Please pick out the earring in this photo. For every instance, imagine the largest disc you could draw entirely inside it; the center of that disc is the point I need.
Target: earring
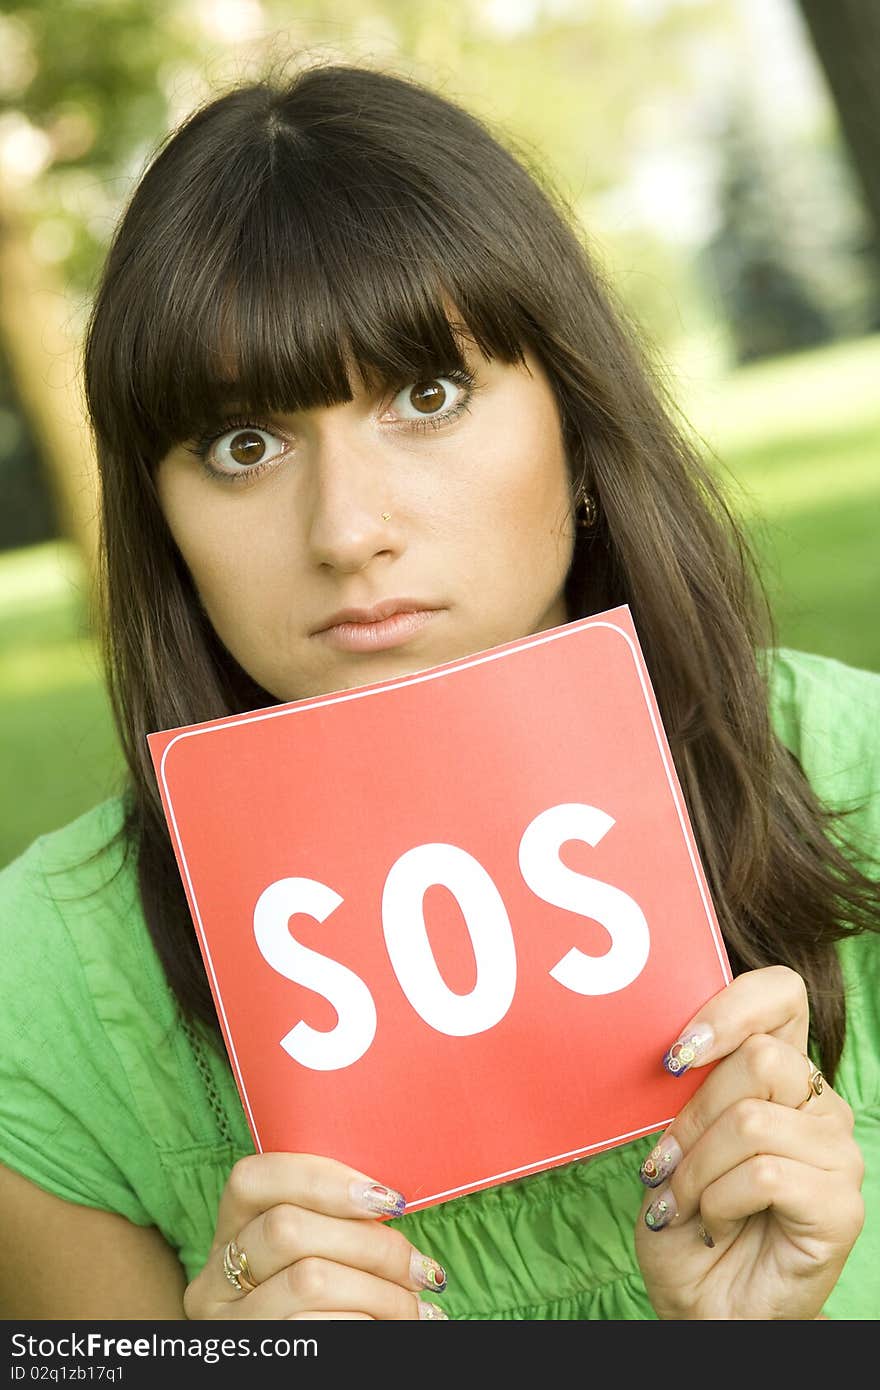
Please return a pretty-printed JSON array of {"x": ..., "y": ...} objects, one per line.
[
  {"x": 590, "y": 513},
  {"x": 386, "y": 516}
]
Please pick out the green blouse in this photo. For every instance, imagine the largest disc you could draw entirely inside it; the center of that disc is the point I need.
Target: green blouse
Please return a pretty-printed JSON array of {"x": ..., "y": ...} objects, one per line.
[{"x": 109, "y": 1100}]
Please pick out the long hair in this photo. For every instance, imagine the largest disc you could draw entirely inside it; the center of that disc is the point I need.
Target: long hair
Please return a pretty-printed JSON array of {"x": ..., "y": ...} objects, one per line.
[{"x": 289, "y": 229}]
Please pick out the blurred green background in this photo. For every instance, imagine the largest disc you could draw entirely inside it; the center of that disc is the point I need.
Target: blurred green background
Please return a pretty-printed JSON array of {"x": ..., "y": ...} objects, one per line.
[{"x": 700, "y": 146}]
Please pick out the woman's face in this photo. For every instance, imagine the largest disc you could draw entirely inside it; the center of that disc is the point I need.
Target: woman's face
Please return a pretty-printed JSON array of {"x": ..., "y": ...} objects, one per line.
[{"x": 361, "y": 542}]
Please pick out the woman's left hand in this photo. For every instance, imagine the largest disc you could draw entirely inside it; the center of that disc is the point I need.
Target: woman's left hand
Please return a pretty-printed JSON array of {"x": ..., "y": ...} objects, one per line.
[{"x": 754, "y": 1191}]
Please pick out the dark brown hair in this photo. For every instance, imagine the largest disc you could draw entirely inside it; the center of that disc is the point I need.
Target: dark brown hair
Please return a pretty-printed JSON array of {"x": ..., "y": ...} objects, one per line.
[{"x": 291, "y": 227}]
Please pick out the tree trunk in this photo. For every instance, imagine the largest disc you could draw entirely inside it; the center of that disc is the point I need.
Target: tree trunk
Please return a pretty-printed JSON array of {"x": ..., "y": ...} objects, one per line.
[
  {"x": 42, "y": 354},
  {"x": 845, "y": 35}
]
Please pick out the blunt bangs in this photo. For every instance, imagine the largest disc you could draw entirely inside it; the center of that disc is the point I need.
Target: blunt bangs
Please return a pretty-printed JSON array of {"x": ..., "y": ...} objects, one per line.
[{"x": 270, "y": 275}]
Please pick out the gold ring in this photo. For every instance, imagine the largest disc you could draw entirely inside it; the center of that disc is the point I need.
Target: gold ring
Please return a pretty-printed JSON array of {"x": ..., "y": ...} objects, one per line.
[
  {"x": 237, "y": 1269},
  {"x": 817, "y": 1082}
]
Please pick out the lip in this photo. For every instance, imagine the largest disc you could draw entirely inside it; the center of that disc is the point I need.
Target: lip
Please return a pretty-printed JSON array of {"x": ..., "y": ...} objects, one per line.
[{"x": 388, "y": 624}]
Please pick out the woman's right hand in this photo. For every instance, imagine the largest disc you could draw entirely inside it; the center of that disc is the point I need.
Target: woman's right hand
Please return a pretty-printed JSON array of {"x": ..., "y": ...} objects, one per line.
[{"x": 314, "y": 1247}]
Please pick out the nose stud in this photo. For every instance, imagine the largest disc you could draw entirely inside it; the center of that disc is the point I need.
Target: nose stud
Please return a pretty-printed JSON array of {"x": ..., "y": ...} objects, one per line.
[{"x": 386, "y": 516}]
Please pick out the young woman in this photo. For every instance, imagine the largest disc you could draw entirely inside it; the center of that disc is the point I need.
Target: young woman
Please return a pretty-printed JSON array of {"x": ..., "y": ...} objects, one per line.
[{"x": 346, "y": 349}]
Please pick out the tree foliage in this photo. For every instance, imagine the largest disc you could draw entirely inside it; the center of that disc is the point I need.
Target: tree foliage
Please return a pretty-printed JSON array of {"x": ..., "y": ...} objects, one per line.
[{"x": 580, "y": 88}]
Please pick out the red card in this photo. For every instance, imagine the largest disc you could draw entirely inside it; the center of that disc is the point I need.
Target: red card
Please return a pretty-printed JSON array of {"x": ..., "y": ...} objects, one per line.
[{"x": 451, "y": 922}]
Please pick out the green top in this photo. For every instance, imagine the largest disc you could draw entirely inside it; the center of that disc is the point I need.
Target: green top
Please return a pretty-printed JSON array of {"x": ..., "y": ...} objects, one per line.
[{"x": 108, "y": 1100}]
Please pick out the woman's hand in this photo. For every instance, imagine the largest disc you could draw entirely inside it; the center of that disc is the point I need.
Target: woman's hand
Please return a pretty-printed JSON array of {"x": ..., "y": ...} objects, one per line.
[
  {"x": 313, "y": 1245},
  {"x": 754, "y": 1196}
]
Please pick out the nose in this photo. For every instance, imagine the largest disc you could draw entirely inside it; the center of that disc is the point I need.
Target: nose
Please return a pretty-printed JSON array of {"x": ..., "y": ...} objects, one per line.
[{"x": 351, "y": 517}]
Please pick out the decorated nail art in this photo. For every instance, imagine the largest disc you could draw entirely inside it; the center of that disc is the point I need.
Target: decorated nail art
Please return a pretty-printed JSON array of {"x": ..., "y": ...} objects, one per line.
[
  {"x": 430, "y": 1310},
  {"x": 661, "y": 1211},
  {"x": 427, "y": 1273},
  {"x": 663, "y": 1159},
  {"x": 384, "y": 1201},
  {"x": 688, "y": 1049},
  {"x": 705, "y": 1237}
]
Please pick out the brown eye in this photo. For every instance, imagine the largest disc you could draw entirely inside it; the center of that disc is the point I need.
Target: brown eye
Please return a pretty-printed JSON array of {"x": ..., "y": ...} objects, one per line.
[
  {"x": 436, "y": 401},
  {"x": 247, "y": 447},
  {"x": 242, "y": 451},
  {"x": 427, "y": 397}
]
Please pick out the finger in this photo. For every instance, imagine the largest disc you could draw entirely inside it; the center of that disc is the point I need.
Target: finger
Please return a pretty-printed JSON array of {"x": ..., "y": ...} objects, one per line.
[
  {"x": 337, "y": 1317},
  {"x": 814, "y": 1204},
  {"x": 762, "y": 1068},
  {"x": 285, "y": 1234},
  {"x": 315, "y": 1285},
  {"x": 752, "y": 1129},
  {"x": 772, "y": 1000},
  {"x": 426, "y": 1310},
  {"x": 261, "y": 1181}
]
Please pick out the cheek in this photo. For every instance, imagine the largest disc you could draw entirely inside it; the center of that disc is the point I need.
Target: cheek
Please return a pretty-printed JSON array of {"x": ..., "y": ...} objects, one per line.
[
  {"x": 537, "y": 498},
  {"x": 516, "y": 541},
  {"x": 211, "y": 564},
  {"x": 242, "y": 592},
  {"x": 226, "y": 569}
]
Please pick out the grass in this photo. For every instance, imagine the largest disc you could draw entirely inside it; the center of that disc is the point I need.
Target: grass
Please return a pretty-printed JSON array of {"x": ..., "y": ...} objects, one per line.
[
  {"x": 799, "y": 438},
  {"x": 58, "y": 747},
  {"x": 798, "y": 441}
]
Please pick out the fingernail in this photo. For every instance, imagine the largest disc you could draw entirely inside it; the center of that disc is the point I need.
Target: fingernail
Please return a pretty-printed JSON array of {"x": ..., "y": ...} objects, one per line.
[
  {"x": 688, "y": 1049},
  {"x": 430, "y": 1310},
  {"x": 426, "y": 1272},
  {"x": 663, "y": 1159},
  {"x": 705, "y": 1237},
  {"x": 384, "y": 1201},
  {"x": 661, "y": 1211}
]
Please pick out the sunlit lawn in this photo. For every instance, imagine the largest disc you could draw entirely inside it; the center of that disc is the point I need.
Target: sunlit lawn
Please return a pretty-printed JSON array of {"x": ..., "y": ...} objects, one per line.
[
  {"x": 58, "y": 748},
  {"x": 801, "y": 437}
]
